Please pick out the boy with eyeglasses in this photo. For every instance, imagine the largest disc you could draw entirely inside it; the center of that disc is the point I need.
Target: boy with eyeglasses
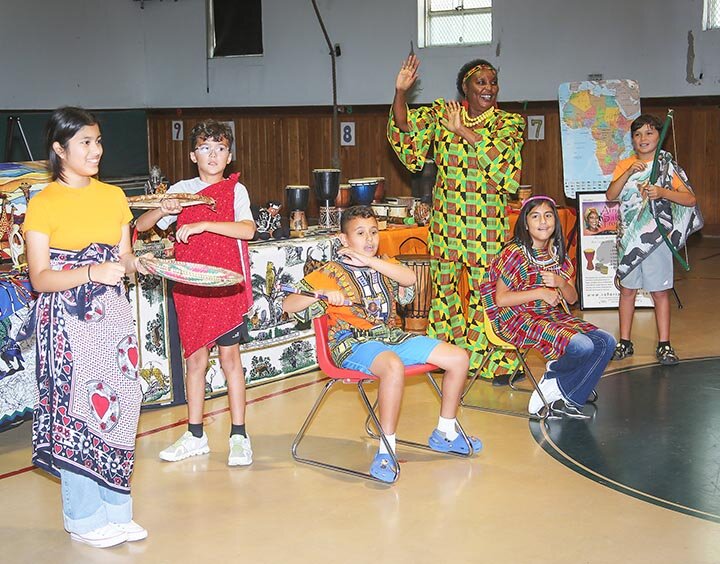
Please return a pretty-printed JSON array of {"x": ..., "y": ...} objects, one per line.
[{"x": 210, "y": 316}]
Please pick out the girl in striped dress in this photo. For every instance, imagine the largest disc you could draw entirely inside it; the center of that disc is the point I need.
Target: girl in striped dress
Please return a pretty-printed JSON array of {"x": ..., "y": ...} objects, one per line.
[{"x": 525, "y": 293}]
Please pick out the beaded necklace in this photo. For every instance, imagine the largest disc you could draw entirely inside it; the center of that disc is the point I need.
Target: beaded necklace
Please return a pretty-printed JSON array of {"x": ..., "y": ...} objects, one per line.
[
  {"x": 473, "y": 122},
  {"x": 550, "y": 263},
  {"x": 552, "y": 260}
]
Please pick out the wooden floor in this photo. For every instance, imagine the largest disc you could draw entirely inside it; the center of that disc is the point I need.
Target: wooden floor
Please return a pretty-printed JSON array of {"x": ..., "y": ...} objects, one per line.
[{"x": 514, "y": 503}]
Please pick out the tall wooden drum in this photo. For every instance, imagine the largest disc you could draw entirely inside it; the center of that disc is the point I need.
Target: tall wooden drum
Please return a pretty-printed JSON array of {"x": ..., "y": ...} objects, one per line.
[{"x": 415, "y": 314}]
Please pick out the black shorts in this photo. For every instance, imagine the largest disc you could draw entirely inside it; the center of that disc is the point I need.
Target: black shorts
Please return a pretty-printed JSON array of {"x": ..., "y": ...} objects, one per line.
[{"x": 236, "y": 336}]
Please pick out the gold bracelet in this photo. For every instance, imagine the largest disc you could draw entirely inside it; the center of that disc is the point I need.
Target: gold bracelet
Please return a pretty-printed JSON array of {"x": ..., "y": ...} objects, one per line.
[{"x": 89, "y": 279}]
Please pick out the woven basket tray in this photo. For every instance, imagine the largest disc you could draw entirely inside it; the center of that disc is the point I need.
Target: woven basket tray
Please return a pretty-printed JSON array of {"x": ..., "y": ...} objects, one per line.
[{"x": 191, "y": 273}]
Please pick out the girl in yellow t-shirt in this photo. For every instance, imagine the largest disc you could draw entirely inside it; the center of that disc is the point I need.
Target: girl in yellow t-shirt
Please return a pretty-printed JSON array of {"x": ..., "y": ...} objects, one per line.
[{"x": 77, "y": 233}]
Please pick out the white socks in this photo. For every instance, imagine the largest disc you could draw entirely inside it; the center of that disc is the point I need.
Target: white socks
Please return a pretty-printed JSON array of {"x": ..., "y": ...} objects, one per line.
[
  {"x": 391, "y": 440},
  {"x": 448, "y": 427}
]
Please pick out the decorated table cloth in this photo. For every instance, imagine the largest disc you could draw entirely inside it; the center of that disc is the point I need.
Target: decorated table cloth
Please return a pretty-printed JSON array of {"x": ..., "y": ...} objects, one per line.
[{"x": 18, "y": 389}]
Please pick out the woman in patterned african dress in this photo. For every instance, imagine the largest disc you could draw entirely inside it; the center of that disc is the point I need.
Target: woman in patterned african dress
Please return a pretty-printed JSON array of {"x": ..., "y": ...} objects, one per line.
[{"x": 476, "y": 148}]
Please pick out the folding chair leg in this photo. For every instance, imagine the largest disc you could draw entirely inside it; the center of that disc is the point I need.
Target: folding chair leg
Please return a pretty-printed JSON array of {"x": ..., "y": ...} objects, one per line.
[
  {"x": 313, "y": 462},
  {"x": 474, "y": 378},
  {"x": 547, "y": 410},
  {"x": 523, "y": 364},
  {"x": 374, "y": 435}
]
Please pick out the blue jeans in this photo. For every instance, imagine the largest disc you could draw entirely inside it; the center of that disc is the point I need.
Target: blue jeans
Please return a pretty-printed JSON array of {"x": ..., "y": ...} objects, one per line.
[
  {"x": 88, "y": 506},
  {"x": 579, "y": 369}
]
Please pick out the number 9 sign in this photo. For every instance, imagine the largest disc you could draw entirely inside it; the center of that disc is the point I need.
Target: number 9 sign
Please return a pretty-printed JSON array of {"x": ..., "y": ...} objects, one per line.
[{"x": 177, "y": 131}]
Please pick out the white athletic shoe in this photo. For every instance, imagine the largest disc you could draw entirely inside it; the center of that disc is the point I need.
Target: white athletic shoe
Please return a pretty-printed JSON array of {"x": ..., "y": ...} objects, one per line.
[
  {"x": 185, "y": 447},
  {"x": 133, "y": 531},
  {"x": 102, "y": 537},
  {"x": 550, "y": 390},
  {"x": 240, "y": 451}
]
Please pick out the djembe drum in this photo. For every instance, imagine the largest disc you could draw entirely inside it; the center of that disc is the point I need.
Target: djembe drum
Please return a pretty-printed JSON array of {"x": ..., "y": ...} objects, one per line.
[
  {"x": 415, "y": 314},
  {"x": 327, "y": 186},
  {"x": 297, "y": 200}
]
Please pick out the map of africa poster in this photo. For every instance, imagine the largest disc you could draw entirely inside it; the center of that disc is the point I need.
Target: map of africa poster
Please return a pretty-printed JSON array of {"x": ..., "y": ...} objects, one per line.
[{"x": 595, "y": 118}]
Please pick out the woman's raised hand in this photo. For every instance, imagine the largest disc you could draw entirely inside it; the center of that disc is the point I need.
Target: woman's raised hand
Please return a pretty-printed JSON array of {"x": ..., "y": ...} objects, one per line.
[
  {"x": 452, "y": 120},
  {"x": 408, "y": 74}
]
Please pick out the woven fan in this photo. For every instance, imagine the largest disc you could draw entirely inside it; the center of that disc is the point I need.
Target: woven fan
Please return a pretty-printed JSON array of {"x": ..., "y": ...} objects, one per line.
[
  {"x": 151, "y": 201},
  {"x": 191, "y": 273}
]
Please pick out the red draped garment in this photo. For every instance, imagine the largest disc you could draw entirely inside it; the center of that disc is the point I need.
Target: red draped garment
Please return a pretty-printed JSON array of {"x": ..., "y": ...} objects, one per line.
[{"x": 204, "y": 314}]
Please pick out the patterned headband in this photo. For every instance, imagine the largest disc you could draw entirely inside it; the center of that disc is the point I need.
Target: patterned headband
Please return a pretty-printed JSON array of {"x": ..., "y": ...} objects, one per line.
[
  {"x": 539, "y": 197},
  {"x": 476, "y": 68}
]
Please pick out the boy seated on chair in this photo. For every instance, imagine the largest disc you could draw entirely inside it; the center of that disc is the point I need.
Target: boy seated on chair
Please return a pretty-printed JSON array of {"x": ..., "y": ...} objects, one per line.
[{"x": 358, "y": 293}]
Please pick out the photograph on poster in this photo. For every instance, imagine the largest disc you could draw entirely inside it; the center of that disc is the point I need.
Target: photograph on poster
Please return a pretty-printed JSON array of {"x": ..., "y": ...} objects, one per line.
[{"x": 597, "y": 252}]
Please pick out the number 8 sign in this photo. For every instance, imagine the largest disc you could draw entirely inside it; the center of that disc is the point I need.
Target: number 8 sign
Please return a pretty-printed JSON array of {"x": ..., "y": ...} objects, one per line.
[{"x": 347, "y": 134}]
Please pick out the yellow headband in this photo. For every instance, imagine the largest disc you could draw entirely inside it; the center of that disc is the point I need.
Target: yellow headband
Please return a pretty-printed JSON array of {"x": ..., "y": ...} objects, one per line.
[{"x": 476, "y": 68}]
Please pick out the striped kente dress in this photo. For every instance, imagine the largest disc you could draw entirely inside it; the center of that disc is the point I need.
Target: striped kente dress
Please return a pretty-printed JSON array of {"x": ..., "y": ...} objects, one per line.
[{"x": 535, "y": 324}]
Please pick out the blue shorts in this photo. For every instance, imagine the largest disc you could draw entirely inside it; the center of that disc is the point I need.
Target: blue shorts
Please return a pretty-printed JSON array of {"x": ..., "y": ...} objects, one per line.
[{"x": 415, "y": 350}]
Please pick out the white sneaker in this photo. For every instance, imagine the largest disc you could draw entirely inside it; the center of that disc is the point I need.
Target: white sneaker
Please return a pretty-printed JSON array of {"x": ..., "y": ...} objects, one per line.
[
  {"x": 240, "y": 451},
  {"x": 133, "y": 531},
  {"x": 551, "y": 391},
  {"x": 102, "y": 537},
  {"x": 186, "y": 446}
]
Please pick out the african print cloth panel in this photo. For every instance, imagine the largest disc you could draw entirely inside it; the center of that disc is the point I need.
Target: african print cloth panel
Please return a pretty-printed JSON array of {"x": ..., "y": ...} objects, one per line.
[
  {"x": 638, "y": 233},
  {"x": 87, "y": 376},
  {"x": 150, "y": 300},
  {"x": 18, "y": 388}
]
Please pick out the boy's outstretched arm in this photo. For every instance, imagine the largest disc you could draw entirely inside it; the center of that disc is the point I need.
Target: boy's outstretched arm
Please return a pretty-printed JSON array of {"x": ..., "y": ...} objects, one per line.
[
  {"x": 150, "y": 218},
  {"x": 295, "y": 302}
]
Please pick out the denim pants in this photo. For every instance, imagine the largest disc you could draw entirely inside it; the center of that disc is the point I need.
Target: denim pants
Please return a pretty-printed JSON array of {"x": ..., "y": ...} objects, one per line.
[
  {"x": 88, "y": 506},
  {"x": 579, "y": 369}
]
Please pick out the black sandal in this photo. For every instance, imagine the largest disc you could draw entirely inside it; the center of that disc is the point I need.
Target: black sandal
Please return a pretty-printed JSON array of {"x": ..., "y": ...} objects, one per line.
[{"x": 623, "y": 350}]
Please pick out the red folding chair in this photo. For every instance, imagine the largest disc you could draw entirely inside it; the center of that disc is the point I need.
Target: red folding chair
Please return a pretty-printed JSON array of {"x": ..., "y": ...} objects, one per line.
[{"x": 345, "y": 376}]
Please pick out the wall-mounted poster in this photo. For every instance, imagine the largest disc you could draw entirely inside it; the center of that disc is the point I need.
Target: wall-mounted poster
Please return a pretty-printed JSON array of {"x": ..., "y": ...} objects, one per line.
[
  {"x": 597, "y": 253},
  {"x": 595, "y": 118}
]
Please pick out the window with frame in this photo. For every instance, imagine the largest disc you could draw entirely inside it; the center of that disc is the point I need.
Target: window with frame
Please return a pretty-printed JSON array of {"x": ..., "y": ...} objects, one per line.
[
  {"x": 454, "y": 22},
  {"x": 234, "y": 28},
  {"x": 711, "y": 14}
]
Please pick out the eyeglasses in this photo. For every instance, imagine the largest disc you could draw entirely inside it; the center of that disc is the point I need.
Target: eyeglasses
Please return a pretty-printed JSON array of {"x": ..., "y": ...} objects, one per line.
[{"x": 207, "y": 149}]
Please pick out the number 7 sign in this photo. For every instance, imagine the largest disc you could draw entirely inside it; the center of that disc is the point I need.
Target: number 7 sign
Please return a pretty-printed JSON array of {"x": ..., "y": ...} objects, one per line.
[{"x": 536, "y": 128}]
